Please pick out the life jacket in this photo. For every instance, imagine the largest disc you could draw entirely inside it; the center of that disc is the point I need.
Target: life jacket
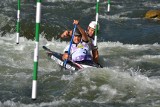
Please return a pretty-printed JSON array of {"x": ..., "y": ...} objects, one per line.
[{"x": 80, "y": 51}]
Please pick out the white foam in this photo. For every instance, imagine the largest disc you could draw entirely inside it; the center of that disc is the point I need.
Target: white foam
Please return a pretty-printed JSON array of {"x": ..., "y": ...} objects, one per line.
[
  {"x": 151, "y": 4},
  {"x": 18, "y": 104},
  {"x": 87, "y": 1},
  {"x": 128, "y": 46}
]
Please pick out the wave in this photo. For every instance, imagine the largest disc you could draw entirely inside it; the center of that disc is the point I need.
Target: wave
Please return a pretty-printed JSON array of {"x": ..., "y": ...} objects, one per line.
[
  {"x": 130, "y": 72},
  {"x": 107, "y": 85},
  {"x": 111, "y": 53}
]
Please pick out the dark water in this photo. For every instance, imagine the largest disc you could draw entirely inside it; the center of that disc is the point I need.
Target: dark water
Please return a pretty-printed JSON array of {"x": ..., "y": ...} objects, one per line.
[{"x": 128, "y": 46}]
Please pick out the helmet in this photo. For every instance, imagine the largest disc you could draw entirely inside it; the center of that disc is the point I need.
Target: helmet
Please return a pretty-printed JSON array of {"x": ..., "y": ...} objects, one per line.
[
  {"x": 77, "y": 32},
  {"x": 93, "y": 24}
]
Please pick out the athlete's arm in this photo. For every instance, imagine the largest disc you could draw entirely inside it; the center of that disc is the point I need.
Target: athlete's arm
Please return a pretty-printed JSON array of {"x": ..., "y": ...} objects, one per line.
[
  {"x": 84, "y": 35},
  {"x": 95, "y": 55},
  {"x": 66, "y": 33}
]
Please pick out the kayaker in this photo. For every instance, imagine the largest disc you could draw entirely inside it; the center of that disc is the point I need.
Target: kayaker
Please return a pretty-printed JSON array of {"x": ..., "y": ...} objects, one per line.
[
  {"x": 80, "y": 50},
  {"x": 90, "y": 34}
]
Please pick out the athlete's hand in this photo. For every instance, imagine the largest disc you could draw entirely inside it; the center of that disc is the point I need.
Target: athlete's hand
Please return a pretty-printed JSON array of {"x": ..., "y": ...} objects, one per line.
[
  {"x": 65, "y": 56},
  {"x": 66, "y": 34},
  {"x": 76, "y": 22}
]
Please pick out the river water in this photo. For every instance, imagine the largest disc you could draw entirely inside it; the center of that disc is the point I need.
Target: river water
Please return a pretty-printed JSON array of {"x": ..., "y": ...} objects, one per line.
[{"x": 129, "y": 48}]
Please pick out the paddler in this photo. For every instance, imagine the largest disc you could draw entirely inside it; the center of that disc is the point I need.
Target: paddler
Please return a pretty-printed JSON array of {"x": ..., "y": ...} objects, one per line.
[
  {"x": 80, "y": 49},
  {"x": 90, "y": 35}
]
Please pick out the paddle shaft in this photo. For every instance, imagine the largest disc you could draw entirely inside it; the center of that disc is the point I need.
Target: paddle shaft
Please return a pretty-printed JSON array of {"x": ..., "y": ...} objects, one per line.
[{"x": 65, "y": 61}]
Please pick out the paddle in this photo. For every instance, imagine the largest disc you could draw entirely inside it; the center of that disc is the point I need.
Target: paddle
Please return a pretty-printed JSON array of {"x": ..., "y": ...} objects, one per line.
[{"x": 65, "y": 61}]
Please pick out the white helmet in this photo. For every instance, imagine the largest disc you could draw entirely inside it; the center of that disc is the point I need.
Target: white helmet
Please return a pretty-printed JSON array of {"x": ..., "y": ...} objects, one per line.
[{"x": 93, "y": 25}]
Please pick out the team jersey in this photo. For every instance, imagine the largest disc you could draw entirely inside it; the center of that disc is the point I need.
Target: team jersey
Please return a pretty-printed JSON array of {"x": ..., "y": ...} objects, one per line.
[{"x": 79, "y": 52}]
